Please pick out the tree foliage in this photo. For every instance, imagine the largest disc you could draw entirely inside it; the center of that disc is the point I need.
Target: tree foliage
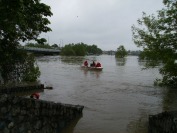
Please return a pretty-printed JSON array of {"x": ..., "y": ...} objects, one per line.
[
  {"x": 41, "y": 41},
  {"x": 42, "y": 45},
  {"x": 20, "y": 20},
  {"x": 39, "y": 45},
  {"x": 30, "y": 69},
  {"x": 93, "y": 49},
  {"x": 80, "y": 49},
  {"x": 121, "y": 52},
  {"x": 157, "y": 35},
  {"x": 20, "y": 67}
]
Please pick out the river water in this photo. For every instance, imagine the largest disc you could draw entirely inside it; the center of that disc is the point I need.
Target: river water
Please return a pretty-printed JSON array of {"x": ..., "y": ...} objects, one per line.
[{"x": 117, "y": 99}]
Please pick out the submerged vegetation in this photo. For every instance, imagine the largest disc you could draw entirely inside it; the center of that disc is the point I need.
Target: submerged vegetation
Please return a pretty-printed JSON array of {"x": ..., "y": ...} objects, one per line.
[
  {"x": 121, "y": 52},
  {"x": 80, "y": 49}
]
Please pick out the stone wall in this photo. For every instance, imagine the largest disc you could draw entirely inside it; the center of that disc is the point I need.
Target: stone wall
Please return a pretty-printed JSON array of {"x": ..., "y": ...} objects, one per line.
[
  {"x": 165, "y": 122},
  {"x": 26, "y": 115}
]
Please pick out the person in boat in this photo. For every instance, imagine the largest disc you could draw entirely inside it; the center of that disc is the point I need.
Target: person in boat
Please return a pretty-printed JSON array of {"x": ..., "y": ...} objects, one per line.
[
  {"x": 98, "y": 64},
  {"x": 93, "y": 64},
  {"x": 86, "y": 63},
  {"x": 35, "y": 95}
]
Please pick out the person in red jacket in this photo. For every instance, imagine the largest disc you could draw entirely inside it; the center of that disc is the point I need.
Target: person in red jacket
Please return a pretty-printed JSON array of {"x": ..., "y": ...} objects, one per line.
[
  {"x": 35, "y": 96},
  {"x": 98, "y": 64},
  {"x": 86, "y": 63}
]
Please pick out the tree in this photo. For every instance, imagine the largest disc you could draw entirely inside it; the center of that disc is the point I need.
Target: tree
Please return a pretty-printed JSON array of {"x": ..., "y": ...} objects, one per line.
[
  {"x": 79, "y": 49},
  {"x": 68, "y": 50},
  {"x": 121, "y": 52},
  {"x": 41, "y": 41},
  {"x": 157, "y": 35},
  {"x": 21, "y": 67},
  {"x": 93, "y": 49},
  {"x": 39, "y": 45},
  {"x": 21, "y": 20},
  {"x": 30, "y": 70},
  {"x": 55, "y": 46}
]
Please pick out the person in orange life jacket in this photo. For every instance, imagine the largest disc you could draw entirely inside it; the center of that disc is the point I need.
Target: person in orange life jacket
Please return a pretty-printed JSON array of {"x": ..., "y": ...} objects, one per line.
[
  {"x": 35, "y": 96},
  {"x": 86, "y": 63},
  {"x": 98, "y": 64}
]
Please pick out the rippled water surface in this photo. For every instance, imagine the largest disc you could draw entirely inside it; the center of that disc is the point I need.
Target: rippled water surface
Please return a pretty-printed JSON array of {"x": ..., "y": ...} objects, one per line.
[{"x": 117, "y": 99}]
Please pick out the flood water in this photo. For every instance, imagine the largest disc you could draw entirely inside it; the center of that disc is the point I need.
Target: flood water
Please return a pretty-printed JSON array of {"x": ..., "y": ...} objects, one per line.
[{"x": 117, "y": 99}]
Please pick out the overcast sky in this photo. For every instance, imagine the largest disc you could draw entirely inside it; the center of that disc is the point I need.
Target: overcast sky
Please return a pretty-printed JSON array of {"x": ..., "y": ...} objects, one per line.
[{"x": 105, "y": 23}]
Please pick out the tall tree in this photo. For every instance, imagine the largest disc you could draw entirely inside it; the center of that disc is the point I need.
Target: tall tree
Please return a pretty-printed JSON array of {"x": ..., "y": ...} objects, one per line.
[
  {"x": 157, "y": 35},
  {"x": 20, "y": 20},
  {"x": 121, "y": 52}
]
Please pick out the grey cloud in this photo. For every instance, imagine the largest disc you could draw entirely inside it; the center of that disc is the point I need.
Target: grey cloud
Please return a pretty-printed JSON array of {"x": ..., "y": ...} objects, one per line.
[{"x": 106, "y": 23}]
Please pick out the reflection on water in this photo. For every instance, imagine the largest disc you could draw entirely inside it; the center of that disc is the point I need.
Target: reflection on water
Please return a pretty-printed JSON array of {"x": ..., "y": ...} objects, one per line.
[
  {"x": 72, "y": 59},
  {"x": 117, "y": 100},
  {"x": 142, "y": 63},
  {"x": 120, "y": 61},
  {"x": 170, "y": 99},
  {"x": 140, "y": 125},
  {"x": 91, "y": 73}
]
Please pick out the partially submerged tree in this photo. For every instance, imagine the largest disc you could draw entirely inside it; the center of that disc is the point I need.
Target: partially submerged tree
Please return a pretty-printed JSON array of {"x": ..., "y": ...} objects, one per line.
[
  {"x": 121, "y": 52},
  {"x": 20, "y": 20},
  {"x": 157, "y": 35},
  {"x": 80, "y": 49},
  {"x": 20, "y": 67}
]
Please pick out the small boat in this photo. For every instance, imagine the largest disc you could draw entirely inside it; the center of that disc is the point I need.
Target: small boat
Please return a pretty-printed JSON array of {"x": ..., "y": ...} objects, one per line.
[{"x": 92, "y": 68}]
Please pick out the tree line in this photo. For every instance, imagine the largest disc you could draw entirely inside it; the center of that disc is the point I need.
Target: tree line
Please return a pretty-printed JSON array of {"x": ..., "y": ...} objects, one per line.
[
  {"x": 80, "y": 49},
  {"x": 45, "y": 45}
]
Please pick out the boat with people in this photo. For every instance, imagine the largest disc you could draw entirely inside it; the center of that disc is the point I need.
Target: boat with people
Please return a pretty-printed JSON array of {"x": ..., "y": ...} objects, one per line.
[{"x": 93, "y": 66}]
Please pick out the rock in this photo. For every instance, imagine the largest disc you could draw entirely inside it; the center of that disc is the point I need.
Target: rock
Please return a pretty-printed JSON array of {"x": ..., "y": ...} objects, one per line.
[
  {"x": 6, "y": 130},
  {"x": 10, "y": 125},
  {"x": 29, "y": 131},
  {"x": 38, "y": 125},
  {"x": 2, "y": 125},
  {"x": 3, "y": 98},
  {"x": 4, "y": 110}
]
